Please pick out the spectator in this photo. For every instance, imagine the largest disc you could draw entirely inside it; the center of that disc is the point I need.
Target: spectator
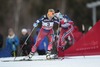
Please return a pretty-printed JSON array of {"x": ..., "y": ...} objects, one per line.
[
  {"x": 1, "y": 41},
  {"x": 12, "y": 42},
  {"x": 26, "y": 47},
  {"x": 42, "y": 48}
]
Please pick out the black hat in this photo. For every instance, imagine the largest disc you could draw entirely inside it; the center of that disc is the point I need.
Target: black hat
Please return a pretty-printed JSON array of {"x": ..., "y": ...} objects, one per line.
[{"x": 57, "y": 11}]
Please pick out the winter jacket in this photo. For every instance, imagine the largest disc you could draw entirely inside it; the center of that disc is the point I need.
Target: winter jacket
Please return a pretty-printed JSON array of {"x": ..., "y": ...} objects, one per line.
[
  {"x": 12, "y": 42},
  {"x": 28, "y": 44}
]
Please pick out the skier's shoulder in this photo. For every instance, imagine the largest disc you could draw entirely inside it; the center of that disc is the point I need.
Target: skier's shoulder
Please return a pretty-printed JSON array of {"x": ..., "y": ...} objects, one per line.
[
  {"x": 43, "y": 16},
  {"x": 65, "y": 16},
  {"x": 55, "y": 18}
]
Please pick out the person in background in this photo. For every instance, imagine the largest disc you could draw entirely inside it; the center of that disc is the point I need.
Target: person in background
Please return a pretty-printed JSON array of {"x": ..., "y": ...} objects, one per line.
[
  {"x": 26, "y": 47},
  {"x": 43, "y": 46},
  {"x": 12, "y": 42},
  {"x": 1, "y": 41}
]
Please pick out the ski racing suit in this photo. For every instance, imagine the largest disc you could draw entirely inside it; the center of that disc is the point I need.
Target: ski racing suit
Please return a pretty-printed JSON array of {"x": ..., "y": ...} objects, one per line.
[
  {"x": 46, "y": 30},
  {"x": 65, "y": 32}
]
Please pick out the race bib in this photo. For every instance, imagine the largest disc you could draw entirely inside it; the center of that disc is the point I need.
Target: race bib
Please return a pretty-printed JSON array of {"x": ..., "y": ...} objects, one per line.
[{"x": 47, "y": 24}]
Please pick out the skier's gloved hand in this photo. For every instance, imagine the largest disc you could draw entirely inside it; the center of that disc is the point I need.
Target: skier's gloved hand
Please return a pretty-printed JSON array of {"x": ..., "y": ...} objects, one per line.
[{"x": 35, "y": 25}]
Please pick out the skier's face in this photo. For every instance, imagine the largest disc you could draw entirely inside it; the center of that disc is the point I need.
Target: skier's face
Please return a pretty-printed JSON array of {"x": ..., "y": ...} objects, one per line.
[{"x": 50, "y": 15}]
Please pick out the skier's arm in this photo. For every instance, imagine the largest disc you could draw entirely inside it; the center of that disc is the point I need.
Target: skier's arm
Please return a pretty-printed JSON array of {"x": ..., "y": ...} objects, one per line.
[
  {"x": 65, "y": 22},
  {"x": 56, "y": 20},
  {"x": 38, "y": 21},
  {"x": 69, "y": 20}
]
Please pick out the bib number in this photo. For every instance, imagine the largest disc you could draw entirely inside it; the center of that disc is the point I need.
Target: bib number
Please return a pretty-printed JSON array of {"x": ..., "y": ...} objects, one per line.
[{"x": 48, "y": 24}]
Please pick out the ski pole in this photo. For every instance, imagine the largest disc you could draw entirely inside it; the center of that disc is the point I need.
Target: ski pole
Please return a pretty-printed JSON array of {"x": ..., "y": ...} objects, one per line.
[{"x": 26, "y": 40}]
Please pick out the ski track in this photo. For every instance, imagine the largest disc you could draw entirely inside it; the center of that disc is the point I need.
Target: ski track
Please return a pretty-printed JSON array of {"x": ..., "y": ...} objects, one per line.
[{"x": 89, "y": 61}]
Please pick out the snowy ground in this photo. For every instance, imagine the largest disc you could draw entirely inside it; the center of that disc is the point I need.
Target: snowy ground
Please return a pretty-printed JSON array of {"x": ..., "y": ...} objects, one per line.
[{"x": 87, "y": 61}]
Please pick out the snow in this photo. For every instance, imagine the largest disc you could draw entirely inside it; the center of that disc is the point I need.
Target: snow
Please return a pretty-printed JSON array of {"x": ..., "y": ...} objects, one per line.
[{"x": 79, "y": 61}]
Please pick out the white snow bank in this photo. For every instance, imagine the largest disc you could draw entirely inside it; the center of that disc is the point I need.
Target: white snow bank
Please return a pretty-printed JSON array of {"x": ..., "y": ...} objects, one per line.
[{"x": 79, "y": 61}]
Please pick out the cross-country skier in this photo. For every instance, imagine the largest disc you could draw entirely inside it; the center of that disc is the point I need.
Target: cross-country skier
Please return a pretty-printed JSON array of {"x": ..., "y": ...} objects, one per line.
[
  {"x": 66, "y": 28},
  {"x": 46, "y": 30}
]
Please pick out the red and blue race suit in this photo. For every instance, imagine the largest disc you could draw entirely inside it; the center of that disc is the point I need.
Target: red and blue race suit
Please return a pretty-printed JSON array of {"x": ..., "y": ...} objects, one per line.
[
  {"x": 65, "y": 31},
  {"x": 46, "y": 30}
]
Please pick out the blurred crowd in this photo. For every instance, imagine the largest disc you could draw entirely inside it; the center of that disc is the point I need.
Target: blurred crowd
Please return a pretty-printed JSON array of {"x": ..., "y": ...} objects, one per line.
[{"x": 16, "y": 46}]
